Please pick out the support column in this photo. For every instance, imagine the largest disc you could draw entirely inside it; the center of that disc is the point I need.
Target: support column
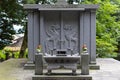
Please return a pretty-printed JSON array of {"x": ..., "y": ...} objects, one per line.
[
  {"x": 36, "y": 31},
  {"x": 30, "y": 35},
  {"x": 93, "y": 37},
  {"x": 81, "y": 39},
  {"x": 86, "y": 30},
  {"x": 30, "y": 63},
  {"x": 42, "y": 31},
  {"x": 93, "y": 41}
]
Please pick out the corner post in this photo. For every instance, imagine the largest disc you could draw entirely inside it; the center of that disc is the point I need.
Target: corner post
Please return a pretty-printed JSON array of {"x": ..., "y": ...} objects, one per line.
[
  {"x": 93, "y": 37},
  {"x": 38, "y": 64},
  {"x": 85, "y": 63}
]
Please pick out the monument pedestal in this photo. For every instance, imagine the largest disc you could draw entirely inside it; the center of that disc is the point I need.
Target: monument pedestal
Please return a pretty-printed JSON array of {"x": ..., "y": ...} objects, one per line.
[
  {"x": 94, "y": 66},
  {"x": 30, "y": 65},
  {"x": 61, "y": 77}
]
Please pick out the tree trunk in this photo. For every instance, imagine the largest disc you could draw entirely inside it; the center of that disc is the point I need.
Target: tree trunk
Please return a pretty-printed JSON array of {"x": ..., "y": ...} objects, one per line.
[{"x": 24, "y": 45}]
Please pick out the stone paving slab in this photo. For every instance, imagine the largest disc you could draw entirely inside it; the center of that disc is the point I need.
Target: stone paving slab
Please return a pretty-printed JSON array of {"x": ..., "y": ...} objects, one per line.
[
  {"x": 109, "y": 70},
  {"x": 13, "y": 70}
]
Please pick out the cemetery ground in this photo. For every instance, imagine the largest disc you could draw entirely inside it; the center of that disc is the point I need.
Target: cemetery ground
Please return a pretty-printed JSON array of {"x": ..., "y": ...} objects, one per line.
[{"x": 13, "y": 69}]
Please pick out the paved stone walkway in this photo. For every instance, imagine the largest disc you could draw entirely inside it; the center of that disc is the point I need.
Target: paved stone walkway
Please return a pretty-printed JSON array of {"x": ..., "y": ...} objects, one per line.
[
  {"x": 109, "y": 70},
  {"x": 13, "y": 70}
]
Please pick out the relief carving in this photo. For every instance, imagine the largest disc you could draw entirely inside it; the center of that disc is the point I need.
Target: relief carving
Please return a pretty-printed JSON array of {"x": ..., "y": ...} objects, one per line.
[
  {"x": 67, "y": 27},
  {"x": 57, "y": 40},
  {"x": 70, "y": 35},
  {"x": 52, "y": 39}
]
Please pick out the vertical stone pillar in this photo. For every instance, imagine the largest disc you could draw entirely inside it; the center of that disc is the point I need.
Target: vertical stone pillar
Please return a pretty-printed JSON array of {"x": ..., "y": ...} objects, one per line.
[
  {"x": 85, "y": 64},
  {"x": 36, "y": 32},
  {"x": 30, "y": 63},
  {"x": 38, "y": 64},
  {"x": 93, "y": 37},
  {"x": 81, "y": 31},
  {"x": 30, "y": 36}
]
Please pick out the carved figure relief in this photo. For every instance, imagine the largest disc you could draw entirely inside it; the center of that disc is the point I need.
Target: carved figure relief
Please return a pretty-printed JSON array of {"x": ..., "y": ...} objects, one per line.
[
  {"x": 56, "y": 39},
  {"x": 70, "y": 35},
  {"x": 52, "y": 39}
]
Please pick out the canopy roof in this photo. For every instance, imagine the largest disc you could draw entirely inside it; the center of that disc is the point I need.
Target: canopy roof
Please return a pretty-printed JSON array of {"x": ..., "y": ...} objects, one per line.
[{"x": 60, "y": 7}]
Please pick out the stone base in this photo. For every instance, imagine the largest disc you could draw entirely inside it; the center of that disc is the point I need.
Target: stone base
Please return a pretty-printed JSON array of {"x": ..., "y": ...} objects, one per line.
[
  {"x": 61, "y": 77},
  {"x": 29, "y": 65},
  {"x": 94, "y": 67},
  {"x": 32, "y": 66}
]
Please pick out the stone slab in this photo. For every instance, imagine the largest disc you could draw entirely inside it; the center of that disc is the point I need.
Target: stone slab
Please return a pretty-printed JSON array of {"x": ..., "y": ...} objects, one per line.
[
  {"x": 13, "y": 69},
  {"x": 44, "y": 77},
  {"x": 94, "y": 67},
  {"x": 29, "y": 65}
]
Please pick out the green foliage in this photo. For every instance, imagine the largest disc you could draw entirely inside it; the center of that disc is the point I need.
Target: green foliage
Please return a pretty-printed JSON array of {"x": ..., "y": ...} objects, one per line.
[
  {"x": 16, "y": 54},
  {"x": 11, "y": 13},
  {"x": 2, "y": 55},
  {"x": 108, "y": 27},
  {"x": 105, "y": 49},
  {"x": 26, "y": 53}
]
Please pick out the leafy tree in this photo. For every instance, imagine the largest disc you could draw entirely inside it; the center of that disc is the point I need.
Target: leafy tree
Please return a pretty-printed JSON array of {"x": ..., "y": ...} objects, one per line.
[
  {"x": 9, "y": 15},
  {"x": 108, "y": 27}
]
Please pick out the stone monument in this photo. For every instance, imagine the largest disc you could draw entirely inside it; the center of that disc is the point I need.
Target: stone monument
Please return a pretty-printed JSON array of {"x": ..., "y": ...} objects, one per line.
[{"x": 62, "y": 29}]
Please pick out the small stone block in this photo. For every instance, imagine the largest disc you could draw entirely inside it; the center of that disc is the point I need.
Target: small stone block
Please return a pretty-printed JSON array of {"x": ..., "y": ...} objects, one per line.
[
  {"x": 85, "y": 64},
  {"x": 38, "y": 64},
  {"x": 94, "y": 67}
]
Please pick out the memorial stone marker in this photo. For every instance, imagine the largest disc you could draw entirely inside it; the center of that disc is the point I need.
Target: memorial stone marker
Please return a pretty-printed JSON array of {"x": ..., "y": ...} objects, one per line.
[{"x": 62, "y": 30}]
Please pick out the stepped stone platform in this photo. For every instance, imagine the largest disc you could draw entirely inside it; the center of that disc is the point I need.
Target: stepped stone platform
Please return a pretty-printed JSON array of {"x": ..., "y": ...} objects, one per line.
[
  {"x": 62, "y": 77},
  {"x": 62, "y": 74},
  {"x": 13, "y": 69}
]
